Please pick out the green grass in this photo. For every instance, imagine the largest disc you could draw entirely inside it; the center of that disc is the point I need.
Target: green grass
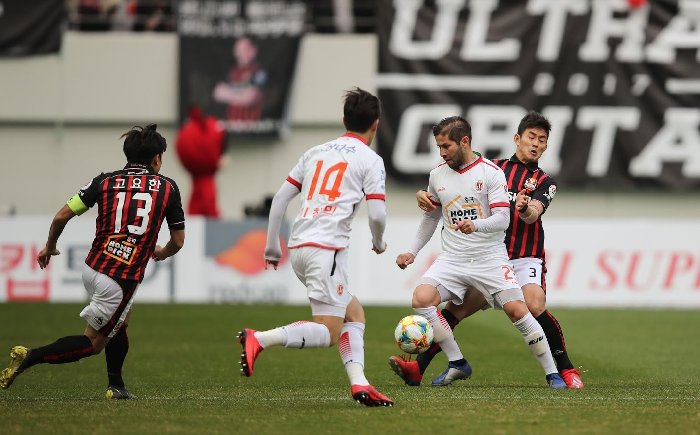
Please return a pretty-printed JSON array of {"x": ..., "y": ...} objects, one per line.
[{"x": 642, "y": 376}]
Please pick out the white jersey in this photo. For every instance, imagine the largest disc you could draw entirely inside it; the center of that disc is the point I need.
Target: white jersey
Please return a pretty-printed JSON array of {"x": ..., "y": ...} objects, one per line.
[
  {"x": 333, "y": 178},
  {"x": 469, "y": 193}
]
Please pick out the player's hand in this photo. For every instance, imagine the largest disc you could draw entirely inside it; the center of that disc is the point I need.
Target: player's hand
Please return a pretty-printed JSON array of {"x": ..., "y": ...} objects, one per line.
[
  {"x": 403, "y": 260},
  {"x": 466, "y": 226},
  {"x": 271, "y": 262},
  {"x": 379, "y": 250},
  {"x": 522, "y": 199},
  {"x": 424, "y": 203},
  {"x": 45, "y": 255},
  {"x": 159, "y": 254}
]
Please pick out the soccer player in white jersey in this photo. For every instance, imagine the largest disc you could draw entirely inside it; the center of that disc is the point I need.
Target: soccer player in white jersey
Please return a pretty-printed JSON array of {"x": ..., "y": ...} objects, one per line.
[
  {"x": 333, "y": 178},
  {"x": 472, "y": 201}
]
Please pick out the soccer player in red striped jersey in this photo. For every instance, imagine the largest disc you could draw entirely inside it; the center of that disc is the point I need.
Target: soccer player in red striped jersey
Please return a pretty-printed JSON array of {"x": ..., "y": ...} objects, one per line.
[
  {"x": 531, "y": 190},
  {"x": 132, "y": 204}
]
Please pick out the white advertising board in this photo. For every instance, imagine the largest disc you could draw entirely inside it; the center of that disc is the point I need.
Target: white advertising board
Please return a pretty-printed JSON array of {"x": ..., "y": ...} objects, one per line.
[{"x": 597, "y": 263}]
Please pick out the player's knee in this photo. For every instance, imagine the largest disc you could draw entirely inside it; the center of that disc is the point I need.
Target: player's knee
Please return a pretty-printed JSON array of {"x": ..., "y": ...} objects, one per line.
[
  {"x": 424, "y": 297},
  {"x": 515, "y": 310},
  {"x": 536, "y": 307},
  {"x": 98, "y": 344}
]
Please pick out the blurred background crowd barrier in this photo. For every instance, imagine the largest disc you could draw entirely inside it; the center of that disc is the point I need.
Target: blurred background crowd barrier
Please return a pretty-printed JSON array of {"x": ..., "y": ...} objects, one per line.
[{"x": 619, "y": 79}]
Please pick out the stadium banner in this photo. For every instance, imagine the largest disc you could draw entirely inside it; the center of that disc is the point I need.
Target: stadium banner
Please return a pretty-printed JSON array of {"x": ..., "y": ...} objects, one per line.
[
  {"x": 31, "y": 27},
  {"x": 618, "y": 79},
  {"x": 590, "y": 263},
  {"x": 237, "y": 61}
]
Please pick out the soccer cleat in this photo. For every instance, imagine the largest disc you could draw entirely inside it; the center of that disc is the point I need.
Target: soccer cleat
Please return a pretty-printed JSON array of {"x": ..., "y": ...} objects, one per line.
[
  {"x": 118, "y": 393},
  {"x": 251, "y": 350},
  {"x": 369, "y": 396},
  {"x": 18, "y": 356},
  {"x": 572, "y": 379},
  {"x": 555, "y": 381},
  {"x": 452, "y": 373},
  {"x": 407, "y": 370}
]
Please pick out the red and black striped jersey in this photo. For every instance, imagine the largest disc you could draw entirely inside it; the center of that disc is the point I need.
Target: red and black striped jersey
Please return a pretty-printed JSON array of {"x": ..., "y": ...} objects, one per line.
[
  {"x": 522, "y": 239},
  {"x": 132, "y": 204}
]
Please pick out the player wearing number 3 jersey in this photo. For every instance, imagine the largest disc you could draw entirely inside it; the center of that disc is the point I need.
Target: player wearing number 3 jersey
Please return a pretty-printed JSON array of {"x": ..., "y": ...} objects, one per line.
[
  {"x": 470, "y": 197},
  {"x": 332, "y": 179},
  {"x": 132, "y": 204}
]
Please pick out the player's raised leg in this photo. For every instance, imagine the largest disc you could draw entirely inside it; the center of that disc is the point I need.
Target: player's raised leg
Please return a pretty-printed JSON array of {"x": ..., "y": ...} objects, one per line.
[
  {"x": 425, "y": 300},
  {"x": 64, "y": 350},
  {"x": 298, "y": 335}
]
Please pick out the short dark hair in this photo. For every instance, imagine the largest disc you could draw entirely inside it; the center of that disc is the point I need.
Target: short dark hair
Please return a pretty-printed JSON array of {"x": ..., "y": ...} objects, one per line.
[
  {"x": 141, "y": 144},
  {"x": 534, "y": 120},
  {"x": 360, "y": 111},
  {"x": 455, "y": 127}
]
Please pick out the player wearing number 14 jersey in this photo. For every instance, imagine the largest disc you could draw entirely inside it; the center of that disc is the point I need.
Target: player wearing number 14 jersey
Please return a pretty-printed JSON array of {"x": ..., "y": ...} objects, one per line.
[
  {"x": 332, "y": 178},
  {"x": 132, "y": 204}
]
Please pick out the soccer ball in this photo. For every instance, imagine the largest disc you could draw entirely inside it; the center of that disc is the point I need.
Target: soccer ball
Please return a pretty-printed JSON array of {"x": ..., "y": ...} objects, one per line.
[{"x": 414, "y": 334}]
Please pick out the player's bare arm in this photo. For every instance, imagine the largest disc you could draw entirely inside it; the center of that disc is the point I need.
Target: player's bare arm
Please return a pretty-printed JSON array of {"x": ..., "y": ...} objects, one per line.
[
  {"x": 405, "y": 259},
  {"x": 529, "y": 210},
  {"x": 57, "y": 225},
  {"x": 424, "y": 201},
  {"x": 176, "y": 242}
]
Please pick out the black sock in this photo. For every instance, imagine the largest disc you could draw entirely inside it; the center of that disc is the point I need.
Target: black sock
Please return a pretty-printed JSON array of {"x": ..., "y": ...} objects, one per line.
[
  {"x": 64, "y": 350},
  {"x": 555, "y": 337},
  {"x": 451, "y": 319},
  {"x": 426, "y": 357},
  {"x": 115, "y": 353}
]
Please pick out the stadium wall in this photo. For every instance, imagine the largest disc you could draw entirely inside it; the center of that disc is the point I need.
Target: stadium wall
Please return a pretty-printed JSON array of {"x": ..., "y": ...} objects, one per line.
[{"x": 61, "y": 117}]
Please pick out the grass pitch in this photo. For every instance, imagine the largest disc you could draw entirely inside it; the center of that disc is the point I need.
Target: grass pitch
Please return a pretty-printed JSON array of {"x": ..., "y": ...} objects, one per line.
[{"x": 642, "y": 375}]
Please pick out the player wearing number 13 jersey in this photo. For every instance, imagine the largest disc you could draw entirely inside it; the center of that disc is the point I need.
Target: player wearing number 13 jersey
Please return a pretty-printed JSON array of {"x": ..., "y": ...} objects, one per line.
[
  {"x": 132, "y": 204},
  {"x": 332, "y": 178}
]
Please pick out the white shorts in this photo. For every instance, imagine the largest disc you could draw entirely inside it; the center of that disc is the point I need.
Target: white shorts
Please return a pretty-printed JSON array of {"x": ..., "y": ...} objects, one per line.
[
  {"x": 324, "y": 273},
  {"x": 493, "y": 276},
  {"x": 109, "y": 302},
  {"x": 529, "y": 271}
]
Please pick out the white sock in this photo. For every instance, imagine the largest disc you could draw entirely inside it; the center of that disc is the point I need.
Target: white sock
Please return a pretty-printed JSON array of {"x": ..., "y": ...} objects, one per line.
[
  {"x": 352, "y": 351},
  {"x": 272, "y": 337},
  {"x": 305, "y": 334},
  {"x": 442, "y": 333},
  {"x": 534, "y": 337}
]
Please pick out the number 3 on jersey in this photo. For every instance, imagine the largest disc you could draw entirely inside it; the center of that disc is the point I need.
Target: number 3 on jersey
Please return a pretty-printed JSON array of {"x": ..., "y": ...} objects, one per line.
[
  {"x": 141, "y": 212},
  {"x": 333, "y": 191}
]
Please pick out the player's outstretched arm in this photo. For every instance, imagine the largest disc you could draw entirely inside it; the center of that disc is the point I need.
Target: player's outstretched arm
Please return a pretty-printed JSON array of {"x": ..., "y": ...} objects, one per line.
[
  {"x": 280, "y": 202},
  {"x": 57, "y": 225}
]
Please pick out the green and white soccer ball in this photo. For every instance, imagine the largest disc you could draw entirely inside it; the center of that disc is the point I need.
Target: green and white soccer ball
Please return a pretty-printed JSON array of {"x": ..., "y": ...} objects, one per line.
[{"x": 414, "y": 334}]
